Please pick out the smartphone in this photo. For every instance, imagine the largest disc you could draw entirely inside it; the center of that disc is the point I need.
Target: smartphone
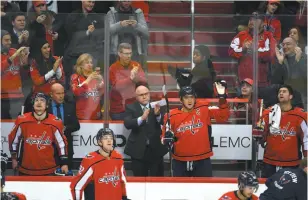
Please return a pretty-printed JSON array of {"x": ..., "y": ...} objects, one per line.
[{"x": 97, "y": 69}]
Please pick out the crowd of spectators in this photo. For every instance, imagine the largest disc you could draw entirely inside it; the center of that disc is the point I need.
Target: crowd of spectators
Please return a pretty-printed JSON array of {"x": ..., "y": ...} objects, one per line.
[{"x": 42, "y": 49}]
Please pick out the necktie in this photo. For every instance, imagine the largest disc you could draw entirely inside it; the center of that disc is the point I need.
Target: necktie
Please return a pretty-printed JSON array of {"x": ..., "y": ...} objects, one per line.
[
  {"x": 58, "y": 112},
  {"x": 144, "y": 109}
]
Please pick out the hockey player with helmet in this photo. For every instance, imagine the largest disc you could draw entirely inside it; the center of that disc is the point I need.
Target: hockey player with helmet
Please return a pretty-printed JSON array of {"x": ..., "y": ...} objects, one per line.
[
  {"x": 34, "y": 138},
  {"x": 287, "y": 184},
  {"x": 189, "y": 126},
  {"x": 284, "y": 133},
  {"x": 105, "y": 167},
  {"x": 8, "y": 195},
  {"x": 247, "y": 185}
]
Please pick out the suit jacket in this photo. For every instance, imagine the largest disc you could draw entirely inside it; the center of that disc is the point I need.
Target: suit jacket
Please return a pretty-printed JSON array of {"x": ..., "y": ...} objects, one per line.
[
  {"x": 136, "y": 143},
  {"x": 71, "y": 122}
]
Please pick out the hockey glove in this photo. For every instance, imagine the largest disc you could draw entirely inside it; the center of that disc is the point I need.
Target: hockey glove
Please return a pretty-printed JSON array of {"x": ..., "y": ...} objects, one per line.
[
  {"x": 220, "y": 89},
  {"x": 169, "y": 138},
  {"x": 59, "y": 172}
]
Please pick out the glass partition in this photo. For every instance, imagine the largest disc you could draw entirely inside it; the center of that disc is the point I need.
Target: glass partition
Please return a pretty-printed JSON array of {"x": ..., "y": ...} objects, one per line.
[{"x": 100, "y": 59}]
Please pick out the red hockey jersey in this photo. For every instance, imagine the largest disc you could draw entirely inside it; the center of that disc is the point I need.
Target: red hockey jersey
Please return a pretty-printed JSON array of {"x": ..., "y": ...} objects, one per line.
[
  {"x": 11, "y": 86},
  {"x": 191, "y": 130},
  {"x": 266, "y": 50},
  {"x": 233, "y": 196},
  {"x": 108, "y": 175},
  {"x": 283, "y": 148},
  {"x": 88, "y": 97},
  {"x": 38, "y": 140},
  {"x": 274, "y": 26}
]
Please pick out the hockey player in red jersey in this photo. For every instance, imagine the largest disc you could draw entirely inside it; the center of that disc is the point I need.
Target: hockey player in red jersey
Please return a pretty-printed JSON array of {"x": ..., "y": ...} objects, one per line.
[
  {"x": 34, "y": 138},
  {"x": 285, "y": 132},
  {"x": 189, "y": 126},
  {"x": 247, "y": 185},
  {"x": 105, "y": 167}
]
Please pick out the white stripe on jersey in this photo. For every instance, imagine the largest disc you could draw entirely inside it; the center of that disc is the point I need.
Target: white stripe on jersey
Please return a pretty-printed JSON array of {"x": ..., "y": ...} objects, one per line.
[
  {"x": 305, "y": 138},
  {"x": 16, "y": 139},
  {"x": 61, "y": 143},
  {"x": 235, "y": 45},
  {"x": 122, "y": 174},
  {"x": 82, "y": 182}
]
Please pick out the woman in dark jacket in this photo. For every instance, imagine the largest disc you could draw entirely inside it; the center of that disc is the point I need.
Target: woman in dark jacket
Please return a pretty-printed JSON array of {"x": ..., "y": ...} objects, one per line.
[{"x": 202, "y": 76}]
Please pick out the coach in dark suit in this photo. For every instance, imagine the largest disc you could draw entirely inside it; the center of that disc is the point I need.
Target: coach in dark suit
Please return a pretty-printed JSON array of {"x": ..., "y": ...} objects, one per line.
[
  {"x": 65, "y": 110},
  {"x": 144, "y": 144}
]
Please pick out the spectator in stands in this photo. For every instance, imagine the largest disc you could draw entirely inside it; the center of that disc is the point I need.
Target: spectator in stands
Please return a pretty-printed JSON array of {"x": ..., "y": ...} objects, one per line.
[
  {"x": 290, "y": 67},
  {"x": 88, "y": 87},
  {"x": 201, "y": 77},
  {"x": 297, "y": 35},
  {"x": 246, "y": 93},
  {"x": 41, "y": 24},
  {"x": 241, "y": 48},
  {"x": 66, "y": 111},
  {"x": 19, "y": 35},
  {"x": 285, "y": 134},
  {"x": 85, "y": 33},
  {"x": 127, "y": 25},
  {"x": 143, "y": 144},
  {"x": 42, "y": 136},
  {"x": 7, "y": 9},
  {"x": 123, "y": 75},
  {"x": 45, "y": 69},
  {"x": 269, "y": 9},
  {"x": 12, "y": 63}
]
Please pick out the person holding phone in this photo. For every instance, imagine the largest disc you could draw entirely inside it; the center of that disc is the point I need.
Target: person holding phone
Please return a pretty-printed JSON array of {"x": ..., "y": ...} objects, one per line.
[
  {"x": 127, "y": 25},
  {"x": 12, "y": 63}
]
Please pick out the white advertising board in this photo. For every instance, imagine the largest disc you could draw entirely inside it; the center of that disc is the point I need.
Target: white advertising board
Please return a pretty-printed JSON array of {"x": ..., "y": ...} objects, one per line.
[
  {"x": 230, "y": 142},
  {"x": 135, "y": 190}
]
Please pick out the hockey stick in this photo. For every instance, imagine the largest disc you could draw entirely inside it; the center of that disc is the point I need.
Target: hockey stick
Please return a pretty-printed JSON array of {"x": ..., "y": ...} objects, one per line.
[{"x": 168, "y": 126}]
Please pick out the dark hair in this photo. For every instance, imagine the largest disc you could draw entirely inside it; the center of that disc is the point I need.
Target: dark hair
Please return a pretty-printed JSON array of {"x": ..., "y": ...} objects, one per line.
[
  {"x": 290, "y": 89},
  {"x": 141, "y": 83},
  {"x": 13, "y": 17}
]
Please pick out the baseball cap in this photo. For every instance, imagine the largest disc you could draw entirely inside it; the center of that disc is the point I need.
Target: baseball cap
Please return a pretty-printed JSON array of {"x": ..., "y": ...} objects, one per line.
[
  {"x": 247, "y": 80},
  {"x": 36, "y": 3}
]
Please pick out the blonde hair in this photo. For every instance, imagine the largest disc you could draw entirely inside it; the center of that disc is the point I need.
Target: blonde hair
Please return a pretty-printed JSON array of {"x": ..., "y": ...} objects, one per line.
[{"x": 81, "y": 61}]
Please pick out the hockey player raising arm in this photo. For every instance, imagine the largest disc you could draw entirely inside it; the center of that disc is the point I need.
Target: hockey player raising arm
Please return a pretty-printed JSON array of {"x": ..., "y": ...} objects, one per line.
[
  {"x": 285, "y": 132},
  {"x": 34, "y": 138},
  {"x": 190, "y": 127},
  {"x": 247, "y": 185},
  {"x": 105, "y": 167}
]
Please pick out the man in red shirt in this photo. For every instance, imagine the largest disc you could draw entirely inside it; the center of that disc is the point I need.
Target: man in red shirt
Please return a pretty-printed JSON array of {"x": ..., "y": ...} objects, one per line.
[
  {"x": 190, "y": 126},
  {"x": 34, "y": 138},
  {"x": 123, "y": 75},
  {"x": 285, "y": 133},
  {"x": 247, "y": 185},
  {"x": 105, "y": 167}
]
